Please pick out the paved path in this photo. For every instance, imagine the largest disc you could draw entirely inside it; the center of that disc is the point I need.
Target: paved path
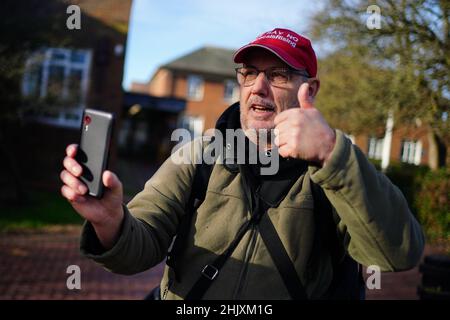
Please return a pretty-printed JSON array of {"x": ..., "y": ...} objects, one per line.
[{"x": 33, "y": 266}]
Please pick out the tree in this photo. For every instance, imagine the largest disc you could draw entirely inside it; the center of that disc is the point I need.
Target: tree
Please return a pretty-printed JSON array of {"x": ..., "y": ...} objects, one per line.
[
  {"x": 353, "y": 92},
  {"x": 25, "y": 27},
  {"x": 412, "y": 47}
]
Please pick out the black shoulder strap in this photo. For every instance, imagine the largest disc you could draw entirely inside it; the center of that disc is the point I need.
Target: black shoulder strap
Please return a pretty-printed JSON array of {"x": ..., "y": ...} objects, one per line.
[
  {"x": 281, "y": 259},
  {"x": 347, "y": 273},
  {"x": 198, "y": 193},
  {"x": 325, "y": 222},
  {"x": 211, "y": 271}
]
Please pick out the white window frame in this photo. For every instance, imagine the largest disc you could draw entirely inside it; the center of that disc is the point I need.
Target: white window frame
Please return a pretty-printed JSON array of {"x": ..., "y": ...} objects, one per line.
[
  {"x": 195, "y": 87},
  {"x": 67, "y": 116},
  {"x": 234, "y": 91},
  {"x": 411, "y": 152},
  {"x": 375, "y": 150}
]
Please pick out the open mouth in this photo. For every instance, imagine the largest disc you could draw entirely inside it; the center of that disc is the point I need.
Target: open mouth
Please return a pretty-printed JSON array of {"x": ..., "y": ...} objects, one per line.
[{"x": 261, "y": 109}]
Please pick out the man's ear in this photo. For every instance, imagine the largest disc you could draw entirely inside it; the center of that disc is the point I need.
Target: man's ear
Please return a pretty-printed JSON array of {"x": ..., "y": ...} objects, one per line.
[{"x": 314, "y": 85}]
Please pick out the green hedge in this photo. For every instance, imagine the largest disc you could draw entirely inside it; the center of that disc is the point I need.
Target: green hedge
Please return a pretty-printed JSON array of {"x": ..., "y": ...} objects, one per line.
[
  {"x": 433, "y": 204},
  {"x": 408, "y": 178},
  {"x": 428, "y": 194}
]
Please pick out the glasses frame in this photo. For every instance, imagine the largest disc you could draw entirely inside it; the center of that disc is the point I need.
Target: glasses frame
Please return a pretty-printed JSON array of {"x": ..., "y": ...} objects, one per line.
[{"x": 267, "y": 73}]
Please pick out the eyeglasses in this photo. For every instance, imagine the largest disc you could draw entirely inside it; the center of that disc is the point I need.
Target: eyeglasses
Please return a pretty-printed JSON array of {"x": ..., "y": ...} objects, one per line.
[{"x": 278, "y": 77}]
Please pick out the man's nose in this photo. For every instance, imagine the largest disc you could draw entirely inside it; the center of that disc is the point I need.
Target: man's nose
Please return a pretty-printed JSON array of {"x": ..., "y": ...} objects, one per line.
[{"x": 261, "y": 85}]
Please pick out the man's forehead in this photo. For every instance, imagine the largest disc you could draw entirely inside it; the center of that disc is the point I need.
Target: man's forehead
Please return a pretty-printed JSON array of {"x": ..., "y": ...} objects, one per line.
[{"x": 260, "y": 56}]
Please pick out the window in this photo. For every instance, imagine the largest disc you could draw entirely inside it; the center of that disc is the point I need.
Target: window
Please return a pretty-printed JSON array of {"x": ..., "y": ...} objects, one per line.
[
  {"x": 411, "y": 152},
  {"x": 195, "y": 87},
  {"x": 231, "y": 91},
  {"x": 56, "y": 80},
  {"x": 375, "y": 148}
]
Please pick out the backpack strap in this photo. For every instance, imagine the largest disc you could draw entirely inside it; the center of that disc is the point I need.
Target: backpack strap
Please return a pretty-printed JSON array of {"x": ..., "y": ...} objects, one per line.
[
  {"x": 211, "y": 271},
  {"x": 281, "y": 259}
]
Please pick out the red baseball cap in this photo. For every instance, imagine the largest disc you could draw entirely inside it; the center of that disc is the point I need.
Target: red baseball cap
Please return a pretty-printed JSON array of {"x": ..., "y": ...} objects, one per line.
[{"x": 289, "y": 46}]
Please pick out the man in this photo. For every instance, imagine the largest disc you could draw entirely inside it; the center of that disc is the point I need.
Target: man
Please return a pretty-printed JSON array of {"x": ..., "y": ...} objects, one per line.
[{"x": 371, "y": 223}]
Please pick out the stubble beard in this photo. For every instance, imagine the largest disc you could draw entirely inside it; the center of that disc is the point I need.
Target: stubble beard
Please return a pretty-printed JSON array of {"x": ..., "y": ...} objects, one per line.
[{"x": 262, "y": 137}]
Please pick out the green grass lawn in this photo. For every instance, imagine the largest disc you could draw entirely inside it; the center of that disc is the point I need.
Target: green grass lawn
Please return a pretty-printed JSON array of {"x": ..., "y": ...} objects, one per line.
[{"x": 42, "y": 209}]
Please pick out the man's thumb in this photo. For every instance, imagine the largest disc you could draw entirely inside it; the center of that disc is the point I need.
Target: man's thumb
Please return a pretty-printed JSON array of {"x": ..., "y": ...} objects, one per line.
[
  {"x": 111, "y": 181},
  {"x": 305, "y": 100}
]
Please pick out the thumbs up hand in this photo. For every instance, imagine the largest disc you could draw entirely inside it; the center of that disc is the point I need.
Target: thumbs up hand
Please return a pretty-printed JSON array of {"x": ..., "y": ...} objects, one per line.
[
  {"x": 304, "y": 99},
  {"x": 303, "y": 133}
]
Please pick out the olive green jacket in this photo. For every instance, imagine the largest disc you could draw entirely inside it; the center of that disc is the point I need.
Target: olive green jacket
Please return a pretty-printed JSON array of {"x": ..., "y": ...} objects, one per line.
[{"x": 376, "y": 226}]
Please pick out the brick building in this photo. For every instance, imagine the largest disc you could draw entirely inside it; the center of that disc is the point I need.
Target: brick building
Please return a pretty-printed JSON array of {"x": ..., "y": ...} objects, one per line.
[
  {"x": 205, "y": 78},
  {"x": 69, "y": 70},
  {"x": 408, "y": 145}
]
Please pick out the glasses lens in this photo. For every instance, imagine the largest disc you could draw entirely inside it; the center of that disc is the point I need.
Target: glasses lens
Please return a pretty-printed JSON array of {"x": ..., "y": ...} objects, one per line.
[
  {"x": 249, "y": 75},
  {"x": 279, "y": 76},
  {"x": 246, "y": 76}
]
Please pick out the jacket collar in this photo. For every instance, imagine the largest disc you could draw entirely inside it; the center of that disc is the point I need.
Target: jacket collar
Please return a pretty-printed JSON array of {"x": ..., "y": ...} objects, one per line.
[{"x": 271, "y": 189}]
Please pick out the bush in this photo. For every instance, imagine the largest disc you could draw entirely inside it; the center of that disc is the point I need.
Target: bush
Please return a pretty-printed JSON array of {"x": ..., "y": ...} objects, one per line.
[
  {"x": 408, "y": 178},
  {"x": 427, "y": 193},
  {"x": 432, "y": 203}
]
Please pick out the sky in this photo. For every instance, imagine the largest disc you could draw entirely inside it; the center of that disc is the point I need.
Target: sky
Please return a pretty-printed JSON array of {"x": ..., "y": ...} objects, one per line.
[{"x": 163, "y": 30}]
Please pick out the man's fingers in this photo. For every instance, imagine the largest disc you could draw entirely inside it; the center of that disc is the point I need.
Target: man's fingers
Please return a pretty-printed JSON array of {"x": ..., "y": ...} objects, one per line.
[
  {"x": 71, "y": 150},
  {"x": 72, "y": 166},
  {"x": 283, "y": 138},
  {"x": 73, "y": 182},
  {"x": 71, "y": 195},
  {"x": 283, "y": 127},
  {"x": 111, "y": 181},
  {"x": 284, "y": 151},
  {"x": 279, "y": 140},
  {"x": 284, "y": 115},
  {"x": 305, "y": 100}
]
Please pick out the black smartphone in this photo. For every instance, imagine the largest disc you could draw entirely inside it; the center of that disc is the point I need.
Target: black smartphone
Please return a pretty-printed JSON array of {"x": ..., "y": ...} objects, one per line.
[{"x": 93, "y": 151}]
